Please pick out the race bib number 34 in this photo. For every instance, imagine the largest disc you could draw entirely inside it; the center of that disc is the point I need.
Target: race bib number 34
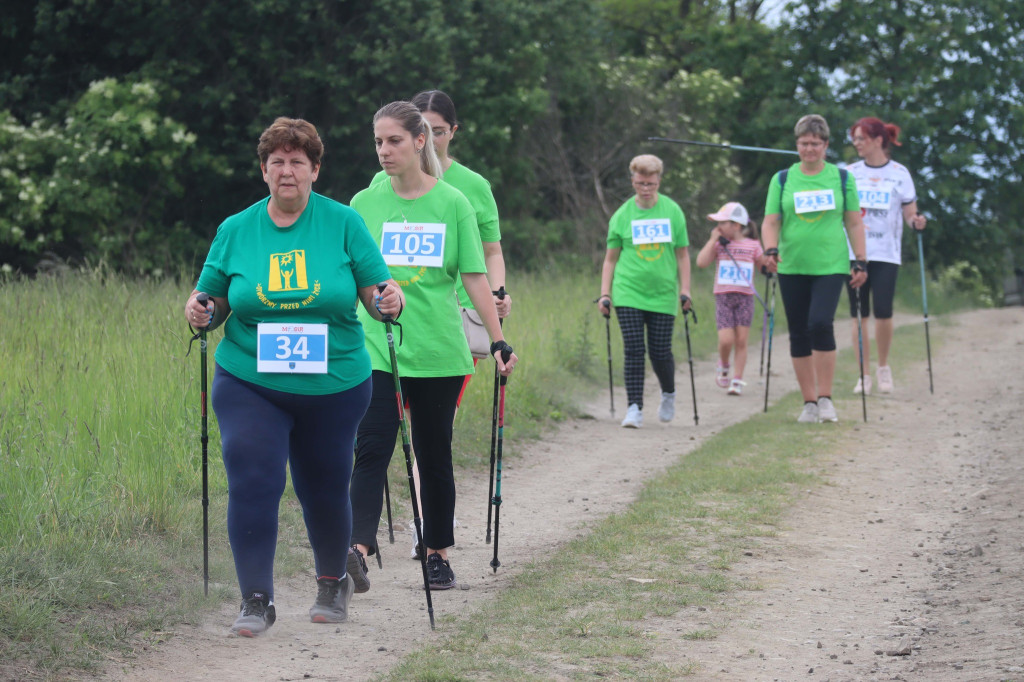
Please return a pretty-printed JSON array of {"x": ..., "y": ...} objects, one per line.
[
  {"x": 652, "y": 231},
  {"x": 291, "y": 348},
  {"x": 415, "y": 244},
  {"x": 812, "y": 201}
]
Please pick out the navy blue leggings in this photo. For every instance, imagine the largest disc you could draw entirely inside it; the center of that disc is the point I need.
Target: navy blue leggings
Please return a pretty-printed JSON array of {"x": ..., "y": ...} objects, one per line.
[
  {"x": 262, "y": 432},
  {"x": 810, "y": 302}
]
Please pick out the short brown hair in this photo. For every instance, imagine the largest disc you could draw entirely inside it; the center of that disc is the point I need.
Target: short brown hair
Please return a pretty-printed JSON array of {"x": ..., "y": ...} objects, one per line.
[
  {"x": 811, "y": 124},
  {"x": 646, "y": 164},
  {"x": 290, "y": 134}
]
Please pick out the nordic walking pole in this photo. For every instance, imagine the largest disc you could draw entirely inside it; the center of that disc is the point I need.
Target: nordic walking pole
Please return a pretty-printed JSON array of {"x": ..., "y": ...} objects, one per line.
[
  {"x": 407, "y": 449},
  {"x": 506, "y": 353},
  {"x": 860, "y": 353},
  {"x": 689, "y": 353},
  {"x": 500, "y": 293},
  {"x": 771, "y": 331},
  {"x": 203, "y": 299},
  {"x": 924, "y": 302},
  {"x": 607, "y": 312},
  {"x": 737, "y": 147},
  {"x": 387, "y": 500},
  {"x": 764, "y": 322}
]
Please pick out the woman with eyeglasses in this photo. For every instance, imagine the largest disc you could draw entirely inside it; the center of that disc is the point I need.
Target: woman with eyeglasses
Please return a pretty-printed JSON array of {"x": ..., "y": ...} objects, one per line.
[
  {"x": 647, "y": 262},
  {"x": 811, "y": 210},
  {"x": 887, "y": 199}
]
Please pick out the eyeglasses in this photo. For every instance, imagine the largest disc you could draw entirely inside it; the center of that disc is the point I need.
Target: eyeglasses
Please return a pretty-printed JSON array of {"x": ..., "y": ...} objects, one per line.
[
  {"x": 645, "y": 185},
  {"x": 440, "y": 132}
]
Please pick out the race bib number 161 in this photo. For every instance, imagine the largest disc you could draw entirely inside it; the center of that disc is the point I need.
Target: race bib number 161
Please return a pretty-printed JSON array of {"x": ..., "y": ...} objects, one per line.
[{"x": 653, "y": 231}]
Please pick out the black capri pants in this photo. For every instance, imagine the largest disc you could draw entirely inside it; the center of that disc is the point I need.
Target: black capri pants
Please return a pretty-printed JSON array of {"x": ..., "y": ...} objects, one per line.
[
  {"x": 880, "y": 287},
  {"x": 810, "y": 302}
]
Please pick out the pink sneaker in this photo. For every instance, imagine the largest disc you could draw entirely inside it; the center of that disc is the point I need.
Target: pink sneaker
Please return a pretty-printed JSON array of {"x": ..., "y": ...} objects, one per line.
[{"x": 722, "y": 376}]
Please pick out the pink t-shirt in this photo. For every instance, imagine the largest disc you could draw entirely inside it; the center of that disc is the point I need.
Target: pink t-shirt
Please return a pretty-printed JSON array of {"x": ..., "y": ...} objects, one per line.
[{"x": 732, "y": 279}]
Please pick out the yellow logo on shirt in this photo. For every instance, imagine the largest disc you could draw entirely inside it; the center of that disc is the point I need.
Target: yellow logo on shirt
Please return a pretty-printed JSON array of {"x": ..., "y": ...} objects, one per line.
[
  {"x": 288, "y": 271},
  {"x": 650, "y": 252}
]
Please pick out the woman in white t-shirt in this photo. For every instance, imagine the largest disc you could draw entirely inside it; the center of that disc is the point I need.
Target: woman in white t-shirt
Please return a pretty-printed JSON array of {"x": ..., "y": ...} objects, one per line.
[{"x": 887, "y": 199}]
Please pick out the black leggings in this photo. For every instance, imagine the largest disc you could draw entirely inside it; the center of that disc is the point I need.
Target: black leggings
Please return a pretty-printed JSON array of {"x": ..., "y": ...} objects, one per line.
[
  {"x": 810, "y": 302},
  {"x": 881, "y": 287},
  {"x": 431, "y": 404},
  {"x": 659, "y": 346}
]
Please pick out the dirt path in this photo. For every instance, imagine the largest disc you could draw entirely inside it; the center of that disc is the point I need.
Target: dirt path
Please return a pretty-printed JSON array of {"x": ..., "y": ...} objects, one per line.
[{"x": 938, "y": 471}]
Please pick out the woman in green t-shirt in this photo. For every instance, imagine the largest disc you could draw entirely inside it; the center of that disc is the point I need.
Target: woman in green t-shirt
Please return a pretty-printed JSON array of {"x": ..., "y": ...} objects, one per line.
[
  {"x": 646, "y": 264},
  {"x": 808, "y": 206},
  {"x": 427, "y": 233},
  {"x": 292, "y": 377}
]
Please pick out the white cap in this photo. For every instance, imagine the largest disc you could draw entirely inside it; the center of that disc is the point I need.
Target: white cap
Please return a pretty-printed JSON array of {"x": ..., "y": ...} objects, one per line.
[{"x": 733, "y": 211}]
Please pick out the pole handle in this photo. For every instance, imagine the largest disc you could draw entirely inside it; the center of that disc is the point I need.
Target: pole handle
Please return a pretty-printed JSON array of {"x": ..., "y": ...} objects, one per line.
[{"x": 386, "y": 319}]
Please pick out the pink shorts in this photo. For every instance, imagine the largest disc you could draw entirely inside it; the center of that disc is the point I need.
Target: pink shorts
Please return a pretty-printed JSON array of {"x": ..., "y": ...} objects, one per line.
[{"x": 734, "y": 310}]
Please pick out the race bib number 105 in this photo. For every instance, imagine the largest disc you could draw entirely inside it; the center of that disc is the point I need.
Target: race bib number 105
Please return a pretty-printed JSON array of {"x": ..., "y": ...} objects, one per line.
[
  {"x": 812, "y": 201},
  {"x": 653, "y": 231},
  {"x": 415, "y": 244},
  {"x": 291, "y": 348}
]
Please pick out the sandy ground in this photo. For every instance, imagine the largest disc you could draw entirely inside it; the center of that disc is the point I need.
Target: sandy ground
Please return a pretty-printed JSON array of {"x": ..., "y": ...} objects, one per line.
[{"x": 905, "y": 565}]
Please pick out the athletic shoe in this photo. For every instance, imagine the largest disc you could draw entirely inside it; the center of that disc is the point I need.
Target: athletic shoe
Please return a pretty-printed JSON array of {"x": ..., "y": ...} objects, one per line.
[
  {"x": 440, "y": 575},
  {"x": 667, "y": 410},
  {"x": 736, "y": 387},
  {"x": 826, "y": 410},
  {"x": 357, "y": 569},
  {"x": 722, "y": 376},
  {"x": 810, "y": 414},
  {"x": 332, "y": 599},
  {"x": 885, "y": 379},
  {"x": 864, "y": 384},
  {"x": 634, "y": 417},
  {"x": 256, "y": 615}
]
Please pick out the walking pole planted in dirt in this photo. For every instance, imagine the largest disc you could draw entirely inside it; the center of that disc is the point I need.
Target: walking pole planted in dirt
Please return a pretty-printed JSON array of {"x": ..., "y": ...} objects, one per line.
[
  {"x": 860, "y": 352},
  {"x": 764, "y": 319},
  {"x": 407, "y": 449},
  {"x": 689, "y": 352},
  {"x": 203, "y": 299},
  {"x": 771, "y": 331},
  {"x": 924, "y": 302},
  {"x": 738, "y": 147},
  {"x": 607, "y": 307},
  {"x": 500, "y": 293},
  {"x": 506, "y": 353}
]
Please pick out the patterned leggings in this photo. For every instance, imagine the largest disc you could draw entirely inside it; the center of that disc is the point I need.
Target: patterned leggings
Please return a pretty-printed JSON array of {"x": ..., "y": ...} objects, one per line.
[{"x": 659, "y": 341}]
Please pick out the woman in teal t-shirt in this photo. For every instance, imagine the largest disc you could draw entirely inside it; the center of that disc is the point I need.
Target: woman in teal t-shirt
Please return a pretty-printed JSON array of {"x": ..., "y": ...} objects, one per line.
[
  {"x": 292, "y": 377},
  {"x": 646, "y": 264},
  {"x": 427, "y": 232},
  {"x": 805, "y": 242}
]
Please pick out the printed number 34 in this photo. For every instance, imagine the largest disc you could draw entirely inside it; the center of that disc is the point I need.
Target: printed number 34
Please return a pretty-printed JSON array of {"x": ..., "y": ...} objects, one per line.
[{"x": 286, "y": 350}]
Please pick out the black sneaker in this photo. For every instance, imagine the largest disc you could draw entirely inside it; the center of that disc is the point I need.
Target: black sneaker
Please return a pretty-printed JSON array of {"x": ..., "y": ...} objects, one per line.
[
  {"x": 256, "y": 615},
  {"x": 332, "y": 598},
  {"x": 357, "y": 569},
  {"x": 439, "y": 573}
]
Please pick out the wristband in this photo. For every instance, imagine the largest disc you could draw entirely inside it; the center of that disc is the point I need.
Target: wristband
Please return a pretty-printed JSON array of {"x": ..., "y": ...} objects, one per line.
[
  {"x": 771, "y": 252},
  {"x": 859, "y": 265},
  {"x": 506, "y": 350}
]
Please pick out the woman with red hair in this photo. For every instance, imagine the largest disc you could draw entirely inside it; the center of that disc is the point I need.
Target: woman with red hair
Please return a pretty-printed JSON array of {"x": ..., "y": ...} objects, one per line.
[{"x": 887, "y": 199}]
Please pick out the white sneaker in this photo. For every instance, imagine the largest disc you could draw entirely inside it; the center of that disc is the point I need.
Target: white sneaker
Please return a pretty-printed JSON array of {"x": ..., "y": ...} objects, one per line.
[
  {"x": 864, "y": 384},
  {"x": 885, "y": 379},
  {"x": 809, "y": 415},
  {"x": 826, "y": 410},
  {"x": 722, "y": 375},
  {"x": 634, "y": 417},
  {"x": 667, "y": 410},
  {"x": 736, "y": 387}
]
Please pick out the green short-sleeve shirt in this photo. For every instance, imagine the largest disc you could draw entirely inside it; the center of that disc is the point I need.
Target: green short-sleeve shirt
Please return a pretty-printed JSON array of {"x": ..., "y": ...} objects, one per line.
[
  {"x": 647, "y": 273},
  {"x": 812, "y": 242},
  {"x": 477, "y": 189},
  {"x": 307, "y": 272},
  {"x": 434, "y": 343}
]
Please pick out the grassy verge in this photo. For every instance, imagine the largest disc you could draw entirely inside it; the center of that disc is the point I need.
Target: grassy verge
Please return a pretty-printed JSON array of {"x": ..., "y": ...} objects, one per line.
[{"x": 577, "y": 615}]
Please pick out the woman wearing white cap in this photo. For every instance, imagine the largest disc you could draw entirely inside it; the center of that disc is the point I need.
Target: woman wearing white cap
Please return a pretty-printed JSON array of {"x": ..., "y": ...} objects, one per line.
[
  {"x": 647, "y": 262},
  {"x": 736, "y": 262}
]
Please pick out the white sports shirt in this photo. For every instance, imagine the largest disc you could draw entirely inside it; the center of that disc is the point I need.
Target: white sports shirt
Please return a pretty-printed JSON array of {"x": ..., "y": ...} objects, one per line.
[{"x": 884, "y": 191}]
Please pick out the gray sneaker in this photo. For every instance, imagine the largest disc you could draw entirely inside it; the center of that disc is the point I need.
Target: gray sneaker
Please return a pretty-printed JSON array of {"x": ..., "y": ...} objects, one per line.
[
  {"x": 356, "y": 567},
  {"x": 256, "y": 615},
  {"x": 809, "y": 415},
  {"x": 634, "y": 417},
  {"x": 826, "y": 410},
  {"x": 667, "y": 409},
  {"x": 332, "y": 599}
]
